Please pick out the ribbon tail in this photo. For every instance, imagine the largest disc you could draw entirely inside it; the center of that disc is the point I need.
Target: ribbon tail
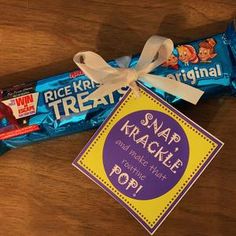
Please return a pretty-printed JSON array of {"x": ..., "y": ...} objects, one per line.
[{"x": 176, "y": 88}]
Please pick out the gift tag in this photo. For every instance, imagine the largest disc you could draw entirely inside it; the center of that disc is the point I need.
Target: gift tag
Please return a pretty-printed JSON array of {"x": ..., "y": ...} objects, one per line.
[{"x": 147, "y": 155}]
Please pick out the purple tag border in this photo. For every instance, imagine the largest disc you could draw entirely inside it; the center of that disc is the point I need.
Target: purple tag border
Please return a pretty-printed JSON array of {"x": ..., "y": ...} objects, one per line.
[{"x": 187, "y": 187}]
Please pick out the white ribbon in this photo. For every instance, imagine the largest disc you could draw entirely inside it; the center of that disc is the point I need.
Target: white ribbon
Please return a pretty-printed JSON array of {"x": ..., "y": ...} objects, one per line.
[{"x": 155, "y": 52}]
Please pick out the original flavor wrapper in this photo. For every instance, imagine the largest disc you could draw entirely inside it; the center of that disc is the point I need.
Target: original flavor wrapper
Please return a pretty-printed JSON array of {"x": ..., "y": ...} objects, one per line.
[{"x": 56, "y": 106}]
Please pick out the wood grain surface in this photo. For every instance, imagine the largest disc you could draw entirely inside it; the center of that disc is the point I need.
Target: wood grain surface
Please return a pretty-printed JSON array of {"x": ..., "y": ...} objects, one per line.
[{"x": 40, "y": 192}]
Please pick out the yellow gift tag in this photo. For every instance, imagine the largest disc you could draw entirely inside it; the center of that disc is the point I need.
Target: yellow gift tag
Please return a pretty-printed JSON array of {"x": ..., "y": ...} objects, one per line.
[{"x": 147, "y": 155}]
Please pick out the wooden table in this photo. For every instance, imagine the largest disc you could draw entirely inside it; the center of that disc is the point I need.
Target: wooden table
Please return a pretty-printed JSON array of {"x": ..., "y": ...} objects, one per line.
[{"x": 40, "y": 192}]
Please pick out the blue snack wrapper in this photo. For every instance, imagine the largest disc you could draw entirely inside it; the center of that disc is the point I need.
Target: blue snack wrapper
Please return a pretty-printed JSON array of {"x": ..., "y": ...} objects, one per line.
[{"x": 56, "y": 106}]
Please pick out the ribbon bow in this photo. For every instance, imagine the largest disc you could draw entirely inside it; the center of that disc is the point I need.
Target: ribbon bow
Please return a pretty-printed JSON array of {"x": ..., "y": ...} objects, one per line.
[{"x": 155, "y": 52}]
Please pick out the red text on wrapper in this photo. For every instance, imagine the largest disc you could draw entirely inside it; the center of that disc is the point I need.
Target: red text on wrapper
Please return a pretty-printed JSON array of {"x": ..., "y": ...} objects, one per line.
[{"x": 23, "y": 106}]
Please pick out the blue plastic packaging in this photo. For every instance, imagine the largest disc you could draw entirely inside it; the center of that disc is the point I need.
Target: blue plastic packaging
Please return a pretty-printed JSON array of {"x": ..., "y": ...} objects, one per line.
[{"x": 55, "y": 106}]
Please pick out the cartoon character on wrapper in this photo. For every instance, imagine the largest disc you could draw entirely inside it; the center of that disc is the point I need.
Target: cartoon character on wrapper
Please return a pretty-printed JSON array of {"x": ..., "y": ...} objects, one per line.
[
  {"x": 206, "y": 50},
  {"x": 7, "y": 118},
  {"x": 172, "y": 62},
  {"x": 187, "y": 54}
]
